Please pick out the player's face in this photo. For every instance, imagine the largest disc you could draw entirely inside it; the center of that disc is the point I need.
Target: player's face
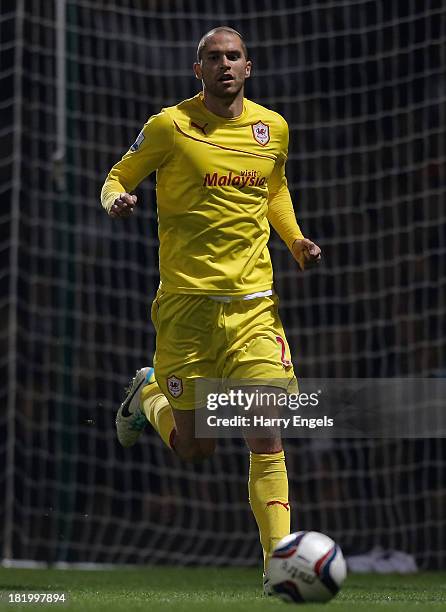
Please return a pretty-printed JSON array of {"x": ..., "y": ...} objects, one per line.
[{"x": 223, "y": 67}]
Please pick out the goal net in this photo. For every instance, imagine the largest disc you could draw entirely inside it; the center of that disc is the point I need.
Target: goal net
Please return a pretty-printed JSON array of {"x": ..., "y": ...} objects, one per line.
[{"x": 363, "y": 88}]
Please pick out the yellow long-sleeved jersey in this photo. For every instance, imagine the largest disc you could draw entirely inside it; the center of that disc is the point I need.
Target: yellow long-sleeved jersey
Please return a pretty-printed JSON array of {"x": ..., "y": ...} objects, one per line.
[{"x": 219, "y": 182}]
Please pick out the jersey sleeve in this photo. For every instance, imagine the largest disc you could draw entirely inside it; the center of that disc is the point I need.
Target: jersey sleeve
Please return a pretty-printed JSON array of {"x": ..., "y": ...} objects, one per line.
[
  {"x": 150, "y": 150},
  {"x": 280, "y": 207}
]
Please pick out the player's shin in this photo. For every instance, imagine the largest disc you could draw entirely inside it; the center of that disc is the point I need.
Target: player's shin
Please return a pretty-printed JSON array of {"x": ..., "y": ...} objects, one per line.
[
  {"x": 268, "y": 496},
  {"x": 159, "y": 413}
]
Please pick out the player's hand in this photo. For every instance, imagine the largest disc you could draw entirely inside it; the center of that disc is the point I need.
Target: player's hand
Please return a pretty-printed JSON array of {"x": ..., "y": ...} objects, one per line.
[
  {"x": 123, "y": 206},
  {"x": 306, "y": 253}
]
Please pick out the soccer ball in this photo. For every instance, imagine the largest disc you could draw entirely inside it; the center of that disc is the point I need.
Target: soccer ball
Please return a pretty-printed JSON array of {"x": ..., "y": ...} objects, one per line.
[{"x": 306, "y": 566}]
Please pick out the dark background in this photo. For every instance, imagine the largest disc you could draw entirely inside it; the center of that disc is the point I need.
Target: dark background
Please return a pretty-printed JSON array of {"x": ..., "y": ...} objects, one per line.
[{"x": 363, "y": 88}]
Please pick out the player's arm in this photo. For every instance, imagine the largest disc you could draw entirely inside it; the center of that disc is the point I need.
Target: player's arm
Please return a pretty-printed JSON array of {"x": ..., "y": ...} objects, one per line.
[
  {"x": 149, "y": 152},
  {"x": 281, "y": 215}
]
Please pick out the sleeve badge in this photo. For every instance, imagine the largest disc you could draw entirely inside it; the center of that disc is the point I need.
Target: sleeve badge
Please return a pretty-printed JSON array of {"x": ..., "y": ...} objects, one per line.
[{"x": 139, "y": 139}]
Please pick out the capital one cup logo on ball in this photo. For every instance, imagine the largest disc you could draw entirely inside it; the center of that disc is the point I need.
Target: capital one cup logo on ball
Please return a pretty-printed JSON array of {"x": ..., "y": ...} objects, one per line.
[{"x": 306, "y": 566}]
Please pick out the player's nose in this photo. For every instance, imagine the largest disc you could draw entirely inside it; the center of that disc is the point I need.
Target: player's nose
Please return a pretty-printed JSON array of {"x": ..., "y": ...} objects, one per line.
[{"x": 225, "y": 63}]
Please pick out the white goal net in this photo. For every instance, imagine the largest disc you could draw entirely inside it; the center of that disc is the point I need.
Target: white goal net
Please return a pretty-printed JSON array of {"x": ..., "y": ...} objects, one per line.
[{"x": 363, "y": 88}]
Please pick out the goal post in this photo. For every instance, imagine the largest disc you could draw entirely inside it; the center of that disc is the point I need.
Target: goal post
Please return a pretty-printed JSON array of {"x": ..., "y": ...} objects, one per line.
[{"x": 362, "y": 87}]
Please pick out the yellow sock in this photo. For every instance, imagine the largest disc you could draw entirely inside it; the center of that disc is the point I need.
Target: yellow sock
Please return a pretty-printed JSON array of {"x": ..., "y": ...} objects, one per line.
[
  {"x": 158, "y": 411},
  {"x": 268, "y": 496}
]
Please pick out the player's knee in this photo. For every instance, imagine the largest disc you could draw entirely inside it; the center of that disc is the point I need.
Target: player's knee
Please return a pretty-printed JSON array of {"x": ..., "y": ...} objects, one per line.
[
  {"x": 195, "y": 450},
  {"x": 264, "y": 446}
]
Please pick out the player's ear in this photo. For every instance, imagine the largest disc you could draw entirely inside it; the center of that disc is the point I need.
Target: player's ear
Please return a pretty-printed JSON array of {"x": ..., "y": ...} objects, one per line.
[
  {"x": 248, "y": 69},
  {"x": 197, "y": 71}
]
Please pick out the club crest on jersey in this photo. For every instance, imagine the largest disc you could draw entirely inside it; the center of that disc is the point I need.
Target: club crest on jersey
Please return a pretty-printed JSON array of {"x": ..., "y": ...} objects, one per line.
[
  {"x": 139, "y": 139},
  {"x": 175, "y": 386},
  {"x": 260, "y": 132}
]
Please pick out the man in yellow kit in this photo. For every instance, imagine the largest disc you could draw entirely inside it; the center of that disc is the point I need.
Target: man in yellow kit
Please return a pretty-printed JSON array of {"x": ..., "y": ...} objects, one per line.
[{"x": 220, "y": 162}]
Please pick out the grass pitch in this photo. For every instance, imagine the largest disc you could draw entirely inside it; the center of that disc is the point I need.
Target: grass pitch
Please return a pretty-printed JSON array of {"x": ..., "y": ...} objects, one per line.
[{"x": 165, "y": 589}]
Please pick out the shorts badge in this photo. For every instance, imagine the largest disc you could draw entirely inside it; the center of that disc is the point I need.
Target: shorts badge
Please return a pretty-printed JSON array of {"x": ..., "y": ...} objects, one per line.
[
  {"x": 175, "y": 386},
  {"x": 260, "y": 132}
]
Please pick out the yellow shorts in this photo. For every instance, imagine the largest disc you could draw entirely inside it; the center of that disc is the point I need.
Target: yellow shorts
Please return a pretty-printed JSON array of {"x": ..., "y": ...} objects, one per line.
[{"x": 198, "y": 337}]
